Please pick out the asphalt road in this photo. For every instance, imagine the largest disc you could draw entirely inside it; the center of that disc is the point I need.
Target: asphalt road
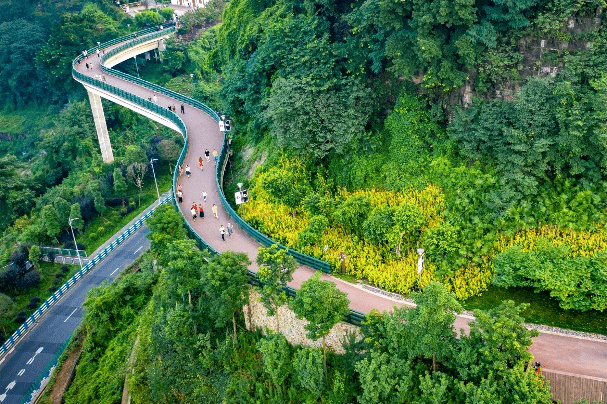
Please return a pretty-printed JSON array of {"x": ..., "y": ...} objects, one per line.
[{"x": 23, "y": 366}]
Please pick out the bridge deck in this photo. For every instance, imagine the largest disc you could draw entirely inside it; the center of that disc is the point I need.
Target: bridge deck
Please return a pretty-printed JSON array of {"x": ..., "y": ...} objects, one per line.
[{"x": 560, "y": 352}]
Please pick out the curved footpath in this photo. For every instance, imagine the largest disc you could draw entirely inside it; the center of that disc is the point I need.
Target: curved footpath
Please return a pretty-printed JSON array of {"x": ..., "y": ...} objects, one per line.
[{"x": 586, "y": 356}]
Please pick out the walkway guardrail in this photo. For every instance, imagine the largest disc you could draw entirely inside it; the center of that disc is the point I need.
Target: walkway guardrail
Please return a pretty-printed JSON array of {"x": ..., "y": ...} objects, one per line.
[
  {"x": 354, "y": 317},
  {"x": 266, "y": 241},
  {"x": 17, "y": 335},
  {"x": 63, "y": 251}
]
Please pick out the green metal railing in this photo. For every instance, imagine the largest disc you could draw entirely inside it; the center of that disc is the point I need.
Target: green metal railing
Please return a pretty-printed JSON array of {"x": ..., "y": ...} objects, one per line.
[{"x": 354, "y": 317}]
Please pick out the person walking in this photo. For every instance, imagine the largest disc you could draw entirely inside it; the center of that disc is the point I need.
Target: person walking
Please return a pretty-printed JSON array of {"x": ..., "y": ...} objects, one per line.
[
  {"x": 200, "y": 163},
  {"x": 180, "y": 170},
  {"x": 207, "y": 155},
  {"x": 179, "y": 196},
  {"x": 154, "y": 99},
  {"x": 215, "y": 156},
  {"x": 204, "y": 196},
  {"x": 87, "y": 66},
  {"x": 194, "y": 206},
  {"x": 193, "y": 214},
  {"x": 174, "y": 109},
  {"x": 222, "y": 231},
  {"x": 182, "y": 109},
  {"x": 215, "y": 211},
  {"x": 187, "y": 170},
  {"x": 201, "y": 211},
  {"x": 230, "y": 230},
  {"x": 91, "y": 65}
]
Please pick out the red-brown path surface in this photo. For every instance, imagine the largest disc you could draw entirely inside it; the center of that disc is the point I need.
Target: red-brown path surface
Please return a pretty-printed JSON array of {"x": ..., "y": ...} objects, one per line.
[{"x": 560, "y": 352}]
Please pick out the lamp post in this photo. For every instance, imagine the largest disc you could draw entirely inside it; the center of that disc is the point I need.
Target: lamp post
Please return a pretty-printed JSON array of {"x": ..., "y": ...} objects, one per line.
[
  {"x": 154, "y": 174},
  {"x": 74, "y": 237}
]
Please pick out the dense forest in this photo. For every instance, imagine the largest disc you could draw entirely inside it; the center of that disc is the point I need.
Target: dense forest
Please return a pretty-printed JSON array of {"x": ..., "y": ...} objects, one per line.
[
  {"x": 50, "y": 163},
  {"x": 178, "y": 314},
  {"x": 472, "y": 129}
]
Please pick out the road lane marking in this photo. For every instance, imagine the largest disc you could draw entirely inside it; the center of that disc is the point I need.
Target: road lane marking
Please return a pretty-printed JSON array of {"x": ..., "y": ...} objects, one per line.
[
  {"x": 2, "y": 397},
  {"x": 21, "y": 372},
  {"x": 114, "y": 272},
  {"x": 137, "y": 250},
  {"x": 68, "y": 317}
]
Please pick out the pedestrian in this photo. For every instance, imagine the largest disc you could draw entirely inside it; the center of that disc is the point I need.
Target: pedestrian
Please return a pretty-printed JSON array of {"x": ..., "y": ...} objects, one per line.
[
  {"x": 92, "y": 66},
  {"x": 194, "y": 206},
  {"x": 222, "y": 231},
  {"x": 154, "y": 99},
  {"x": 87, "y": 66},
  {"x": 180, "y": 170},
  {"x": 215, "y": 156},
  {"x": 230, "y": 230},
  {"x": 193, "y": 214},
  {"x": 207, "y": 154},
  {"x": 169, "y": 107},
  {"x": 103, "y": 77},
  {"x": 179, "y": 196},
  {"x": 97, "y": 52},
  {"x": 187, "y": 170},
  {"x": 179, "y": 187},
  {"x": 182, "y": 109},
  {"x": 215, "y": 211},
  {"x": 201, "y": 210},
  {"x": 204, "y": 196},
  {"x": 200, "y": 163},
  {"x": 174, "y": 109}
]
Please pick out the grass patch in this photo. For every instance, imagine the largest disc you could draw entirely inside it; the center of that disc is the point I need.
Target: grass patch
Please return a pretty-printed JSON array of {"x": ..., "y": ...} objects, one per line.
[{"x": 542, "y": 309}]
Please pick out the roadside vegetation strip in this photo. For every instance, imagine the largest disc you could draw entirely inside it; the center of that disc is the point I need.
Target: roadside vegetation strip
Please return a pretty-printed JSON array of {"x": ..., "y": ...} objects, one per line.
[{"x": 21, "y": 331}]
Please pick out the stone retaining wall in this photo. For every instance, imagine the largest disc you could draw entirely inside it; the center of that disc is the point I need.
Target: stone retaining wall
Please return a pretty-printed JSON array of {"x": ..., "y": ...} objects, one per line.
[{"x": 293, "y": 328}]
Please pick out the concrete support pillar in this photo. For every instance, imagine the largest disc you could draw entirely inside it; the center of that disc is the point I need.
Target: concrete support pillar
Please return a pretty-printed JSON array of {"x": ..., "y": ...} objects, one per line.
[{"x": 101, "y": 126}]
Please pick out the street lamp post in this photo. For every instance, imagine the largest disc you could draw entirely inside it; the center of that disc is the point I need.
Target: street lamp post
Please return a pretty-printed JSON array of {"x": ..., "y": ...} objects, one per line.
[
  {"x": 74, "y": 237},
  {"x": 154, "y": 174}
]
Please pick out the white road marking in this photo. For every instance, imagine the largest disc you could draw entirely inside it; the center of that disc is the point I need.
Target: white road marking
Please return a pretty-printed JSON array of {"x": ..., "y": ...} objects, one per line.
[
  {"x": 11, "y": 385},
  {"x": 137, "y": 250},
  {"x": 68, "y": 317},
  {"x": 114, "y": 272},
  {"x": 29, "y": 362},
  {"x": 2, "y": 360},
  {"x": 21, "y": 372},
  {"x": 2, "y": 397},
  {"x": 39, "y": 350}
]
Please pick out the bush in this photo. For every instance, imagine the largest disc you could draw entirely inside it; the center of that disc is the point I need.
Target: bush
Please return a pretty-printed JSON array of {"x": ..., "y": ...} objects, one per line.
[
  {"x": 33, "y": 303},
  {"x": 65, "y": 269}
]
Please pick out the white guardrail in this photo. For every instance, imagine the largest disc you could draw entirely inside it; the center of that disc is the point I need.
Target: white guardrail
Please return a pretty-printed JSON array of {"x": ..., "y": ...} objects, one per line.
[{"x": 17, "y": 335}]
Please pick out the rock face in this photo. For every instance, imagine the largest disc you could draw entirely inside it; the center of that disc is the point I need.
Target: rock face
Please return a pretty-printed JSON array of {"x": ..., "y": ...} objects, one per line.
[{"x": 293, "y": 328}]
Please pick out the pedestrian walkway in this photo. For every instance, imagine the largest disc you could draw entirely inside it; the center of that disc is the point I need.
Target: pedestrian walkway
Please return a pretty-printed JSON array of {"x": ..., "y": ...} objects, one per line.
[{"x": 583, "y": 356}]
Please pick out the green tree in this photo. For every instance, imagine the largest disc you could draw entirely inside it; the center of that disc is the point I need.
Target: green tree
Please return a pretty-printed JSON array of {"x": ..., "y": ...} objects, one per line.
[
  {"x": 166, "y": 225},
  {"x": 7, "y": 309},
  {"x": 352, "y": 212},
  {"x": 378, "y": 225},
  {"x": 20, "y": 80},
  {"x": 50, "y": 221},
  {"x": 183, "y": 262},
  {"x": 287, "y": 184},
  {"x": 225, "y": 282},
  {"x": 275, "y": 272},
  {"x": 76, "y": 213},
  {"x": 167, "y": 13},
  {"x": 308, "y": 366},
  {"x": 432, "y": 320},
  {"x": 323, "y": 305},
  {"x": 148, "y": 17},
  {"x": 34, "y": 254},
  {"x": 316, "y": 121},
  {"x": 63, "y": 211},
  {"x": 276, "y": 356},
  {"x": 168, "y": 150},
  {"x": 120, "y": 186},
  {"x": 136, "y": 173},
  {"x": 72, "y": 34}
]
